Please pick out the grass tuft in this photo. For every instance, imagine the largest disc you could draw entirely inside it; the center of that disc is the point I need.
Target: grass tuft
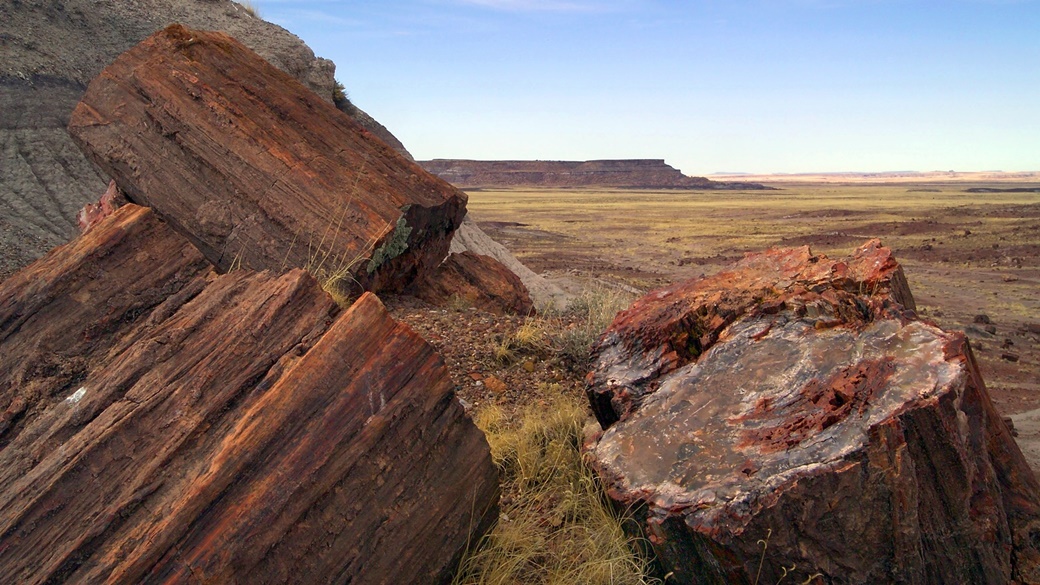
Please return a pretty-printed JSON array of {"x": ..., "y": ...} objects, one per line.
[
  {"x": 556, "y": 525},
  {"x": 592, "y": 312},
  {"x": 249, "y": 7},
  {"x": 567, "y": 335}
]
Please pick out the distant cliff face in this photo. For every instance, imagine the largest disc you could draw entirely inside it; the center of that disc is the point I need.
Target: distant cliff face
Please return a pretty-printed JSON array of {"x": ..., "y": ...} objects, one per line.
[
  {"x": 51, "y": 50},
  {"x": 630, "y": 173}
]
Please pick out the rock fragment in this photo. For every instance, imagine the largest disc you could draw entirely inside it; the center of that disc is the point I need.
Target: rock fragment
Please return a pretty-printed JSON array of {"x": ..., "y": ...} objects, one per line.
[{"x": 479, "y": 281}]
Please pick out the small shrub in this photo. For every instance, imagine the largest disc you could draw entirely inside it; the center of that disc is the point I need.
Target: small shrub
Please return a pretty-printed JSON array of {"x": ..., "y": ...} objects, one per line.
[
  {"x": 532, "y": 337},
  {"x": 580, "y": 325},
  {"x": 342, "y": 99},
  {"x": 566, "y": 335}
]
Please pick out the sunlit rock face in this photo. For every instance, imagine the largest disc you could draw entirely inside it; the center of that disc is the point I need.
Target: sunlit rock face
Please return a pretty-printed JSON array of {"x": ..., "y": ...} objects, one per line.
[
  {"x": 257, "y": 171},
  {"x": 150, "y": 408},
  {"x": 792, "y": 417}
]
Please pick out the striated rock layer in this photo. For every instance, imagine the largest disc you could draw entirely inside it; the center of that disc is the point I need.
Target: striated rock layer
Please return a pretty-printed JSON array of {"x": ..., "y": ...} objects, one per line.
[
  {"x": 166, "y": 424},
  {"x": 625, "y": 173},
  {"x": 257, "y": 171},
  {"x": 792, "y": 418}
]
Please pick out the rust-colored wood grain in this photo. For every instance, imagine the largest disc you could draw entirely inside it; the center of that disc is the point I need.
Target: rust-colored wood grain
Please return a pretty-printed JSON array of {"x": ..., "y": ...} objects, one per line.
[{"x": 256, "y": 170}]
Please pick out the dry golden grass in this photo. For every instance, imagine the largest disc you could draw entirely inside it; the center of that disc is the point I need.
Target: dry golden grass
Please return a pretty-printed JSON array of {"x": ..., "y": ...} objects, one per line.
[
  {"x": 567, "y": 334},
  {"x": 249, "y": 7},
  {"x": 714, "y": 222},
  {"x": 556, "y": 526}
]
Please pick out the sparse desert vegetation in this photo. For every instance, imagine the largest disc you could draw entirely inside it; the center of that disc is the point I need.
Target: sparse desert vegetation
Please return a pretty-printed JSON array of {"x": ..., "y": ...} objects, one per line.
[
  {"x": 965, "y": 254},
  {"x": 249, "y": 7},
  {"x": 557, "y": 525}
]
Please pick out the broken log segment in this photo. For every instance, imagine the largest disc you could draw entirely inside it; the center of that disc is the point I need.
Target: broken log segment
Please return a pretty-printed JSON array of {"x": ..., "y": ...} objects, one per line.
[
  {"x": 824, "y": 431},
  {"x": 62, "y": 316},
  {"x": 477, "y": 280},
  {"x": 256, "y": 170},
  {"x": 244, "y": 430}
]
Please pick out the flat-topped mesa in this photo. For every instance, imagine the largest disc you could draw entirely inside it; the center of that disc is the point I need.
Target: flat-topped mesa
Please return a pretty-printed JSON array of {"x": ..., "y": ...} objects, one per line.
[
  {"x": 161, "y": 423},
  {"x": 623, "y": 173},
  {"x": 792, "y": 417},
  {"x": 256, "y": 170}
]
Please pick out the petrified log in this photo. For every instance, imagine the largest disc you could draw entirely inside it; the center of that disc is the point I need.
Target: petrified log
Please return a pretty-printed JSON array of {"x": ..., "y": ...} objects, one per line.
[
  {"x": 795, "y": 419},
  {"x": 256, "y": 170},
  {"x": 62, "y": 316},
  {"x": 239, "y": 431},
  {"x": 481, "y": 281}
]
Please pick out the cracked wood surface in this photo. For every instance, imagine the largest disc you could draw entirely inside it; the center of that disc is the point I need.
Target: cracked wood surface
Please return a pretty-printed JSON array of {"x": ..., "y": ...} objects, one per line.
[
  {"x": 236, "y": 428},
  {"x": 793, "y": 417},
  {"x": 256, "y": 170}
]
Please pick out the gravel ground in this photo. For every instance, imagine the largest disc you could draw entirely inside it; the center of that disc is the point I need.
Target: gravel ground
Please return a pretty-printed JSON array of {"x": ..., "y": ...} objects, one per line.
[{"x": 468, "y": 339}]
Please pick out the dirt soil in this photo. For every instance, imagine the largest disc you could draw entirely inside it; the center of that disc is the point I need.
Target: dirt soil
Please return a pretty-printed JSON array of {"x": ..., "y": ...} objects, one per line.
[{"x": 467, "y": 339}]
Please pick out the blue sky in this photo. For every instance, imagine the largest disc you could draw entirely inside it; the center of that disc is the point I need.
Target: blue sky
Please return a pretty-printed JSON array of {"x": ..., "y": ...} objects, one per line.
[{"x": 708, "y": 85}]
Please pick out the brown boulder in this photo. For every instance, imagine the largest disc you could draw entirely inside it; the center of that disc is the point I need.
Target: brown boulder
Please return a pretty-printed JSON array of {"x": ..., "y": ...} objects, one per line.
[
  {"x": 233, "y": 428},
  {"x": 792, "y": 419},
  {"x": 256, "y": 170},
  {"x": 480, "y": 281}
]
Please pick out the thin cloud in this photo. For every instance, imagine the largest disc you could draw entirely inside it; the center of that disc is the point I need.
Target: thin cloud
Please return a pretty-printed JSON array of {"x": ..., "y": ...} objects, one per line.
[{"x": 545, "y": 5}]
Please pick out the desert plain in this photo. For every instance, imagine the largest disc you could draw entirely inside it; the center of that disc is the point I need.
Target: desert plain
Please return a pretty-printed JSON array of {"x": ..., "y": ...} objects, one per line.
[{"x": 972, "y": 258}]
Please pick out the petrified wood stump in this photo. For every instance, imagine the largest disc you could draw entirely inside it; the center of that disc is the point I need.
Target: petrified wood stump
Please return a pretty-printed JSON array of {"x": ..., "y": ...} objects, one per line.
[
  {"x": 231, "y": 429},
  {"x": 791, "y": 418},
  {"x": 256, "y": 170}
]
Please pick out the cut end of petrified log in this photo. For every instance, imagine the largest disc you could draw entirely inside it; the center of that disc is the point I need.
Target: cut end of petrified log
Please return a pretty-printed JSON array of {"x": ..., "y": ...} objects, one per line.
[
  {"x": 778, "y": 396},
  {"x": 819, "y": 429},
  {"x": 674, "y": 326}
]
